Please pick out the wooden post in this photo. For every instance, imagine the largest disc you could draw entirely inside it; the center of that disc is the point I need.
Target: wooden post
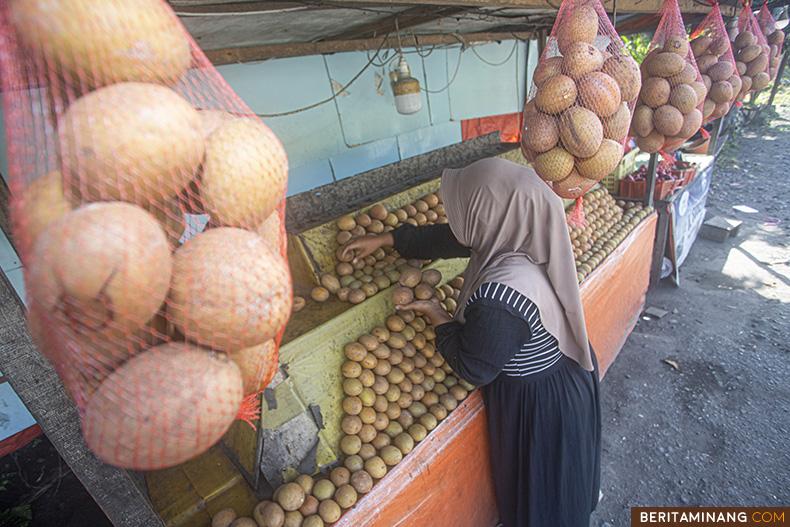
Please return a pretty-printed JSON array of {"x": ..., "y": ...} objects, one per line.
[
  {"x": 664, "y": 210},
  {"x": 40, "y": 389},
  {"x": 778, "y": 79},
  {"x": 714, "y": 136},
  {"x": 651, "y": 179}
]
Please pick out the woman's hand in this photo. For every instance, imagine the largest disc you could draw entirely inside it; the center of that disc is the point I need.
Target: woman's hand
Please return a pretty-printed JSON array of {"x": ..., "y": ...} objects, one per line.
[
  {"x": 366, "y": 245},
  {"x": 430, "y": 308}
]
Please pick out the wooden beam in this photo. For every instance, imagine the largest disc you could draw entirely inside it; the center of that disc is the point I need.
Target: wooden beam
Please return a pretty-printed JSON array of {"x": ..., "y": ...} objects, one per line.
[
  {"x": 270, "y": 51},
  {"x": 409, "y": 17},
  {"x": 623, "y": 6},
  {"x": 39, "y": 388}
]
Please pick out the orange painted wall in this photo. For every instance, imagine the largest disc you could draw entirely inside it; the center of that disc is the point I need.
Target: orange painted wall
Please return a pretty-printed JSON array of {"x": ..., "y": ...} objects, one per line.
[{"x": 446, "y": 481}]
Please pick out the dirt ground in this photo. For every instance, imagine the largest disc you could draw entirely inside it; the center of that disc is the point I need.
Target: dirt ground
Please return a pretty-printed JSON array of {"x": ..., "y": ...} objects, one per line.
[
  {"x": 713, "y": 431},
  {"x": 716, "y": 430}
]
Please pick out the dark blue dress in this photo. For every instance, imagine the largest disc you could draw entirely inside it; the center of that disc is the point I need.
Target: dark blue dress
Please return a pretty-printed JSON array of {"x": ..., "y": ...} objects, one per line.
[{"x": 543, "y": 408}]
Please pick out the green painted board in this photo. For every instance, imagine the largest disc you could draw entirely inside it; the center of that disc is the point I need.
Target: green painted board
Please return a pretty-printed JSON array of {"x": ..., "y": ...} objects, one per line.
[{"x": 313, "y": 360}]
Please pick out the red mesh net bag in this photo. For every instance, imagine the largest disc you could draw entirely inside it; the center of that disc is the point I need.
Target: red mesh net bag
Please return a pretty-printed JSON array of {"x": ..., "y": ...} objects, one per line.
[
  {"x": 673, "y": 93},
  {"x": 752, "y": 54},
  {"x": 775, "y": 38},
  {"x": 576, "y": 120},
  {"x": 116, "y": 124},
  {"x": 710, "y": 45}
]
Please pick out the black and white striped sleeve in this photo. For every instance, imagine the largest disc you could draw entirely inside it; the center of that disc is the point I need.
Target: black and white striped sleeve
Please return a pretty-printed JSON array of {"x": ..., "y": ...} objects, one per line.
[{"x": 480, "y": 348}]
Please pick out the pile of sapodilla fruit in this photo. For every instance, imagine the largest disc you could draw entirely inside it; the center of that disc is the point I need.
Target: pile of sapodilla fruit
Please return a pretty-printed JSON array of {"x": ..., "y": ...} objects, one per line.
[
  {"x": 753, "y": 60},
  {"x": 577, "y": 122},
  {"x": 716, "y": 64},
  {"x": 154, "y": 341},
  {"x": 672, "y": 95},
  {"x": 397, "y": 388},
  {"x": 775, "y": 38},
  {"x": 355, "y": 281}
]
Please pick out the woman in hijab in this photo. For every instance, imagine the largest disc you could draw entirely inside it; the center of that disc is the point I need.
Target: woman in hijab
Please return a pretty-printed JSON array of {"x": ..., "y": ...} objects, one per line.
[{"x": 519, "y": 333}]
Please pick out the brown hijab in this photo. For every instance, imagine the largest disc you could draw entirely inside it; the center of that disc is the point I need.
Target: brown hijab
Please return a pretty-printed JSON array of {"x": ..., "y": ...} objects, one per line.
[{"x": 515, "y": 227}]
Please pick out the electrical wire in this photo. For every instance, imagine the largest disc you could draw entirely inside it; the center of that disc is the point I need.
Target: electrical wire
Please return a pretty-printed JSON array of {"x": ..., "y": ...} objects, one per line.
[
  {"x": 452, "y": 80},
  {"x": 496, "y": 64},
  {"x": 335, "y": 94}
]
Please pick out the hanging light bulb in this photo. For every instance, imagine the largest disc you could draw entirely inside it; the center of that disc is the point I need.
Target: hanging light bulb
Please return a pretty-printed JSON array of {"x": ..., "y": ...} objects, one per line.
[{"x": 406, "y": 89}]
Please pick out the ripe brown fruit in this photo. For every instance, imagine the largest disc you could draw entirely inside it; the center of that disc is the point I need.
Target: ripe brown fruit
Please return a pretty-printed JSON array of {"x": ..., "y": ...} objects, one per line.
[
  {"x": 625, "y": 71},
  {"x": 569, "y": 188},
  {"x": 668, "y": 120},
  {"x": 719, "y": 46},
  {"x": 643, "y": 121},
  {"x": 556, "y": 95},
  {"x": 666, "y": 64},
  {"x": 603, "y": 162},
  {"x": 720, "y": 71},
  {"x": 655, "y": 92},
  {"x": 581, "y": 131},
  {"x": 677, "y": 44},
  {"x": 721, "y": 92},
  {"x": 687, "y": 76},
  {"x": 691, "y": 123},
  {"x": 541, "y": 133},
  {"x": 745, "y": 39},
  {"x": 700, "y": 89},
  {"x": 700, "y": 45},
  {"x": 599, "y": 92},
  {"x": 554, "y": 165},
  {"x": 683, "y": 97},
  {"x": 581, "y": 25},
  {"x": 616, "y": 126},
  {"x": 651, "y": 143},
  {"x": 580, "y": 59},
  {"x": 546, "y": 70}
]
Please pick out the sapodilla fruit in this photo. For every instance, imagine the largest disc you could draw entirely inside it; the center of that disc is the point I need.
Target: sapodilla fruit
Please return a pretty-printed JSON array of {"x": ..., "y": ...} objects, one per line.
[
  {"x": 580, "y": 25},
  {"x": 745, "y": 39},
  {"x": 572, "y": 186},
  {"x": 245, "y": 173},
  {"x": 692, "y": 122},
  {"x": 105, "y": 42},
  {"x": 677, "y": 44},
  {"x": 257, "y": 365},
  {"x": 580, "y": 59},
  {"x": 270, "y": 230},
  {"x": 760, "y": 81},
  {"x": 708, "y": 107},
  {"x": 655, "y": 92},
  {"x": 41, "y": 203},
  {"x": 603, "y": 162},
  {"x": 706, "y": 81},
  {"x": 721, "y": 92},
  {"x": 720, "y": 71},
  {"x": 705, "y": 62},
  {"x": 719, "y": 45},
  {"x": 667, "y": 120},
  {"x": 163, "y": 407},
  {"x": 213, "y": 119},
  {"x": 540, "y": 132},
  {"x": 625, "y": 71},
  {"x": 758, "y": 65},
  {"x": 581, "y": 131},
  {"x": 132, "y": 142},
  {"x": 554, "y": 165},
  {"x": 556, "y": 95},
  {"x": 616, "y": 126},
  {"x": 700, "y": 45},
  {"x": 687, "y": 76},
  {"x": 547, "y": 69},
  {"x": 651, "y": 143},
  {"x": 683, "y": 97},
  {"x": 666, "y": 64},
  {"x": 700, "y": 89},
  {"x": 740, "y": 67},
  {"x": 749, "y": 53},
  {"x": 642, "y": 122},
  {"x": 735, "y": 82},
  {"x": 244, "y": 305},
  {"x": 104, "y": 269},
  {"x": 599, "y": 92}
]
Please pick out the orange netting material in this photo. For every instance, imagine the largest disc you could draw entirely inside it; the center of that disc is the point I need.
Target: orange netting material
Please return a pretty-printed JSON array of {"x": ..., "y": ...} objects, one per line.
[
  {"x": 670, "y": 108},
  {"x": 584, "y": 89},
  {"x": 752, "y": 53},
  {"x": 117, "y": 126},
  {"x": 775, "y": 38},
  {"x": 711, "y": 47}
]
